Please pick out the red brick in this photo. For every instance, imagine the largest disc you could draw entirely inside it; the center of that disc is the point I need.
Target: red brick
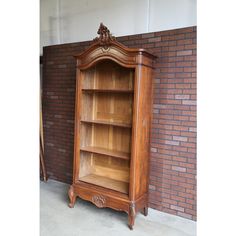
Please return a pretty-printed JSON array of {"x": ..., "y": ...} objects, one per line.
[
  {"x": 178, "y": 168},
  {"x": 170, "y": 122},
  {"x": 190, "y": 35},
  {"x": 180, "y": 138},
  {"x": 180, "y": 148},
  {"x": 188, "y": 134},
  {"x": 189, "y": 102},
  {"x": 183, "y": 75},
  {"x": 177, "y": 198},
  {"x": 177, "y": 208},
  {"x": 184, "y": 64},
  {"x": 176, "y": 48},
  {"x": 181, "y": 118},
  {"x": 186, "y": 195},
  {"x": 190, "y": 46},
  {"x": 181, "y": 128},
  {"x": 182, "y": 86},
  {"x": 171, "y": 142},
  {"x": 189, "y": 91},
  {"x": 154, "y": 40},
  {"x": 184, "y": 41},
  {"x": 192, "y": 150},
  {"x": 191, "y": 181},
  {"x": 149, "y": 35},
  {"x": 169, "y": 132},
  {"x": 182, "y": 214},
  {"x": 190, "y": 212},
  {"x": 190, "y": 201},
  {"x": 178, "y": 158},
  {"x": 193, "y": 145},
  {"x": 170, "y": 201},
  {"x": 187, "y": 175},
  {"x": 184, "y": 52},
  {"x": 151, "y": 187},
  {"x": 182, "y": 96},
  {"x": 192, "y": 129},
  {"x": 168, "y": 152},
  {"x": 153, "y": 150}
]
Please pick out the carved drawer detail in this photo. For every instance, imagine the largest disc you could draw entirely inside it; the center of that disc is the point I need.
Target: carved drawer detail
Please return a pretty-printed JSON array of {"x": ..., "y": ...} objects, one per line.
[{"x": 99, "y": 200}]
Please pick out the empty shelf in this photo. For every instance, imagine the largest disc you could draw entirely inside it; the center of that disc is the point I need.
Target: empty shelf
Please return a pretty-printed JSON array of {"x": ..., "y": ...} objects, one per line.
[
  {"x": 107, "y": 152},
  {"x": 107, "y": 123},
  {"x": 106, "y": 183},
  {"x": 108, "y": 90}
]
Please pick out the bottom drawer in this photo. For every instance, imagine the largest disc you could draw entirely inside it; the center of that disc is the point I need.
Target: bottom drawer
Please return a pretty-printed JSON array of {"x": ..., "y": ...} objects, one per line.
[{"x": 101, "y": 198}]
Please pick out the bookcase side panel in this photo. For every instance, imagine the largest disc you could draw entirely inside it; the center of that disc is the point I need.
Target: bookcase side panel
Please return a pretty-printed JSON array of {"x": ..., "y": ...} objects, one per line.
[
  {"x": 79, "y": 78},
  {"x": 143, "y": 125}
]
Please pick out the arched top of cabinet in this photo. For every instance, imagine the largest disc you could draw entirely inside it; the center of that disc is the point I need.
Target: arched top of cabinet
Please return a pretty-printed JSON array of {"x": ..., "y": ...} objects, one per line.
[{"x": 106, "y": 47}]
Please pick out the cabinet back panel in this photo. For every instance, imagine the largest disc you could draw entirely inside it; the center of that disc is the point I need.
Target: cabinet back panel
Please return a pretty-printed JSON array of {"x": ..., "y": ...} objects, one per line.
[
  {"x": 86, "y": 166},
  {"x": 107, "y": 107},
  {"x": 86, "y": 133},
  {"x": 103, "y": 166},
  {"x": 108, "y": 75},
  {"x": 105, "y": 136},
  {"x": 89, "y": 78},
  {"x": 114, "y": 107},
  {"x": 88, "y": 107}
]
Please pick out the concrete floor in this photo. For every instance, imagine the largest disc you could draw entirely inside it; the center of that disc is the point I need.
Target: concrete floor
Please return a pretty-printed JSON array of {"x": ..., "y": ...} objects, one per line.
[{"x": 57, "y": 219}]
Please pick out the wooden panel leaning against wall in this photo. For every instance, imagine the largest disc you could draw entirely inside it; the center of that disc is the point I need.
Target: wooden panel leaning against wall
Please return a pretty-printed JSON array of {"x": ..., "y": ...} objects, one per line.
[{"x": 112, "y": 124}]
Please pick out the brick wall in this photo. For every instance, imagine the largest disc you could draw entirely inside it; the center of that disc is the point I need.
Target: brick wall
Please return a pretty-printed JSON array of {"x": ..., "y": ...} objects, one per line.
[{"x": 173, "y": 134}]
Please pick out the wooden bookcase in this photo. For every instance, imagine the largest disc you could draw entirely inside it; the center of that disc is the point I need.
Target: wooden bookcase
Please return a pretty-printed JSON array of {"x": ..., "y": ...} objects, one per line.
[{"x": 112, "y": 123}]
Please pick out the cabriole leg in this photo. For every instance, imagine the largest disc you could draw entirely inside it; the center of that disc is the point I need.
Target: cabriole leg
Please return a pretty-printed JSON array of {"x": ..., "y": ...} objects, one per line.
[
  {"x": 131, "y": 216},
  {"x": 131, "y": 222},
  {"x": 145, "y": 211},
  {"x": 72, "y": 196}
]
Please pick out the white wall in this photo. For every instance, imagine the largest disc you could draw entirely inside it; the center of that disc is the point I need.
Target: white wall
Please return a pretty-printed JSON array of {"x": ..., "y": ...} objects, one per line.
[
  {"x": 48, "y": 23},
  {"x": 65, "y": 21}
]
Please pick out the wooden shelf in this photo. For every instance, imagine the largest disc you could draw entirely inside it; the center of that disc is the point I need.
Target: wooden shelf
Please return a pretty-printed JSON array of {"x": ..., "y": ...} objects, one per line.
[
  {"x": 107, "y": 123},
  {"x": 107, "y": 152},
  {"x": 108, "y": 90},
  {"x": 106, "y": 183}
]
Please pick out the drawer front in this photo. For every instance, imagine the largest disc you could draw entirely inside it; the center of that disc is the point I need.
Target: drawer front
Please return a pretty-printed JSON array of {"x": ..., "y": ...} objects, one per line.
[{"x": 102, "y": 199}]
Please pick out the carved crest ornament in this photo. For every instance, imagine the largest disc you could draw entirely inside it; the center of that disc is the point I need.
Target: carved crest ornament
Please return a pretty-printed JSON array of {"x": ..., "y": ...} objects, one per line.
[{"x": 105, "y": 37}]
